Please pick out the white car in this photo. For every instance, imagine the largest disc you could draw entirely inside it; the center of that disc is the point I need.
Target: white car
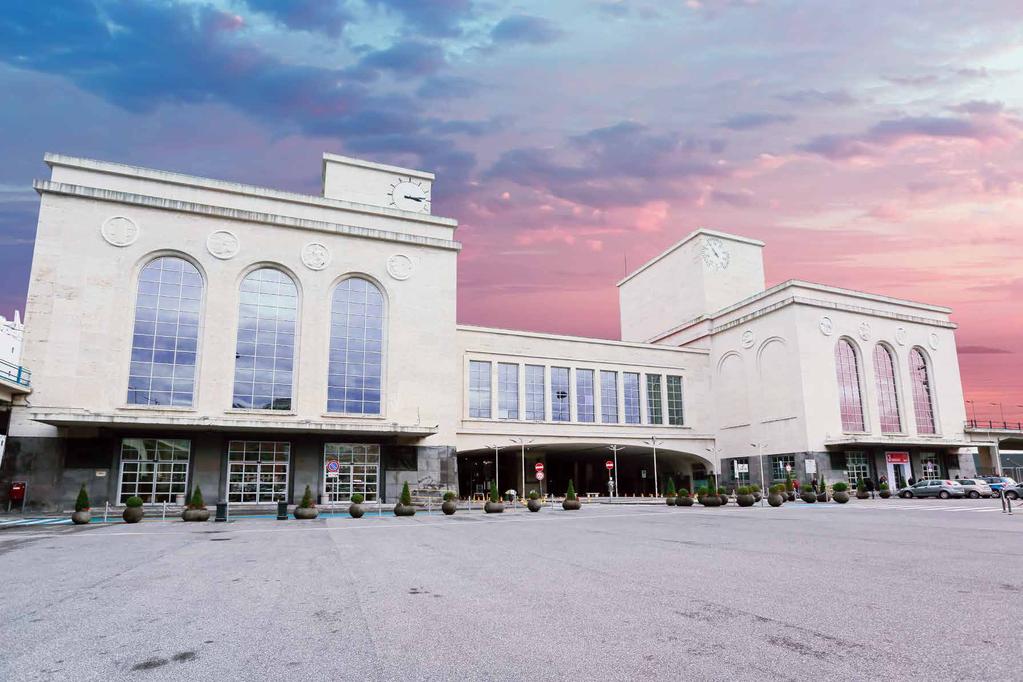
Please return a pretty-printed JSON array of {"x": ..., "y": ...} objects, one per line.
[{"x": 975, "y": 487}]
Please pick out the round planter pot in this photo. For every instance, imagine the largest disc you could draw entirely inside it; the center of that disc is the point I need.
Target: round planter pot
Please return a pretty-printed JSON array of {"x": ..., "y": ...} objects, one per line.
[
  {"x": 724, "y": 499},
  {"x": 534, "y": 505},
  {"x": 790, "y": 495},
  {"x": 80, "y": 518},
  {"x": 404, "y": 510},
  {"x": 132, "y": 514},
  {"x": 355, "y": 510},
  {"x": 840, "y": 496},
  {"x": 670, "y": 501},
  {"x": 306, "y": 513},
  {"x": 493, "y": 507},
  {"x": 757, "y": 496},
  {"x": 809, "y": 497},
  {"x": 822, "y": 497},
  {"x": 449, "y": 507},
  {"x": 885, "y": 494},
  {"x": 571, "y": 505},
  {"x": 684, "y": 501},
  {"x": 862, "y": 496},
  {"x": 711, "y": 501},
  {"x": 745, "y": 500},
  {"x": 195, "y": 515},
  {"x": 775, "y": 499}
]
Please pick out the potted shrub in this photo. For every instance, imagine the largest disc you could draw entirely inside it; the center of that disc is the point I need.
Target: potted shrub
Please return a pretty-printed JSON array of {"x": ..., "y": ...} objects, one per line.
[
  {"x": 133, "y": 509},
  {"x": 571, "y": 501},
  {"x": 534, "y": 501},
  {"x": 708, "y": 497},
  {"x": 756, "y": 492},
  {"x": 790, "y": 487},
  {"x": 196, "y": 509},
  {"x": 684, "y": 499},
  {"x": 355, "y": 509},
  {"x": 822, "y": 491},
  {"x": 81, "y": 514},
  {"x": 405, "y": 506},
  {"x": 744, "y": 496},
  {"x": 807, "y": 494},
  {"x": 449, "y": 506},
  {"x": 840, "y": 492},
  {"x": 723, "y": 494},
  {"x": 885, "y": 491},
  {"x": 775, "y": 495},
  {"x": 494, "y": 504},
  {"x": 670, "y": 494},
  {"x": 306, "y": 509},
  {"x": 861, "y": 490}
]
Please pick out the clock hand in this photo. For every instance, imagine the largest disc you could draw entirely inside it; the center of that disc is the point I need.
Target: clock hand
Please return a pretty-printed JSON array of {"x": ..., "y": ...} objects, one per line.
[{"x": 415, "y": 198}]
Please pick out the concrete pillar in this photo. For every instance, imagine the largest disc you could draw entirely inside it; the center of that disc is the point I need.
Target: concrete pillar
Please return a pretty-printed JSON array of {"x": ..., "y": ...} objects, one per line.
[{"x": 996, "y": 458}]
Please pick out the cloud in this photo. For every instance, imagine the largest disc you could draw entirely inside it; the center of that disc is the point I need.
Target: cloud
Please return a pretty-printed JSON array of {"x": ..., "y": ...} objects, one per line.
[
  {"x": 408, "y": 58},
  {"x": 749, "y": 121},
  {"x": 982, "y": 350},
  {"x": 447, "y": 87},
  {"x": 328, "y": 17},
  {"x": 524, "y": 29},
  {"x": 818, "y": 97},
  {"x": 977, "y": 106},
  {"x": 433, "y": 18}
]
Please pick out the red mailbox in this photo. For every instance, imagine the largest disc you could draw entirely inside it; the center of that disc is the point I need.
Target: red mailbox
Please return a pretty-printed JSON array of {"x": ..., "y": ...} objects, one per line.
[{"x": 16, "y": 493}]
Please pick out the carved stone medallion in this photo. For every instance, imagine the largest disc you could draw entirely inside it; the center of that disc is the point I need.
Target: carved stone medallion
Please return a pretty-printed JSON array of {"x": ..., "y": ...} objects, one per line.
[
  {"x": 827, "y": 326},
  {"x": 119, "y": 231},
  {"x": 315, "y": 256},
  {"x": 400, "y": 266},
  {"x": 223, "y": 244}
]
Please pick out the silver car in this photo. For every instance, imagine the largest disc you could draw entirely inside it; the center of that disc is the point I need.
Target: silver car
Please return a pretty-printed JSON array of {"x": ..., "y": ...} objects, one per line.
[
  {"x": 935, "y": 487},
  {"x": 975, "y": 487}
]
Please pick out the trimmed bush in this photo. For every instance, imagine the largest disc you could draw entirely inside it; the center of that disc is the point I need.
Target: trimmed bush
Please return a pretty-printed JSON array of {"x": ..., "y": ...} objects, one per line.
[
  {"x": 702, "y": 490},
  {"x": 196, "y": 501},
  {"x": 133, "y": 501},
  {"x": 840, "y": 487},
  {"x": 449, "y": 496},
  {"x": 744, "y": 490},
  {"x": 307, "y": 499},
  {"x": 683, "y": 492},
  {"x": 883, "y": 486},
  {"x": 82, "y": 502},
  {"x": 722, "y": 491},
  {"x": 777, "y": 489},
  {"x": 754, "y": 488},
  {"x": 570, "y": 493},
  {"x": 533, "y": 495},
  {"x": 357, "y": 498},
  {"x": 670, "y": 491},
  {"x": 406, "y": 495},
  {"x": 789, "y": 483}
]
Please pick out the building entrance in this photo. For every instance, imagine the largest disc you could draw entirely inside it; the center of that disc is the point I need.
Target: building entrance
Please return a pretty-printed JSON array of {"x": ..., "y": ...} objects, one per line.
[{"x": 351, "y": 468}]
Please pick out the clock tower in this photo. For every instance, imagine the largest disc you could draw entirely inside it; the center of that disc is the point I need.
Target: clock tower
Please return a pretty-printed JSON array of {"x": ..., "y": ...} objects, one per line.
[{"x": 701, "y": 274}]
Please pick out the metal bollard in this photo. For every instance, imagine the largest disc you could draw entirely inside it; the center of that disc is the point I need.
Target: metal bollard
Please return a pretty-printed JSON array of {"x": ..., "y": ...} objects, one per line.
[
  {"x": 106, "y": 511},
  {"x": 164, "y": 512},
  {"x": 282, "y": 511},
  {"x": 221, "y": 512}
]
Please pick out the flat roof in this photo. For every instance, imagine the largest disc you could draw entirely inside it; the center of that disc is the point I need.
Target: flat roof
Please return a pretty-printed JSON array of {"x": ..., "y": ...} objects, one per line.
[
  {"x": 373, "y": 165},
  {"x": 580, "y": 339},
  {"x": 689, "y": 237}
]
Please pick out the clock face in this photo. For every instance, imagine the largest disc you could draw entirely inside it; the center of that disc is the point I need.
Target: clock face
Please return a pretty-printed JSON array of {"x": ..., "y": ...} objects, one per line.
[
  {"x": 410, "y": 195},
  {"x": 715, "y": 254}
]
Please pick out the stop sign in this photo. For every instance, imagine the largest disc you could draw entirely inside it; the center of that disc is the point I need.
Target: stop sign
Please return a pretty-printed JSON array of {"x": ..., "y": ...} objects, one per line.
[
  {"x": 538, "y": 466},
  {"x": 609, "y": 464}
]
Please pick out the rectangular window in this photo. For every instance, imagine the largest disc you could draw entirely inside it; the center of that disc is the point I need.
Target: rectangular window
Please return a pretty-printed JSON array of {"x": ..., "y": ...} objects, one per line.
[
  {"x": 350, "y": 468},
  {"x": 675, "y": 412},
  {"x": 778, "y": 463},
  {"x": 930, "y": 465},
  {"x": 155, "y": 469},
  {"x": 479, "y": 389},
  {"x": 630, "y": 386},
  {"x": 507, "y": 391},
  {"x": 535, "y": 393},
  {"x": 584, "y": 395},
  {"x": 653, "y": 399},
  {"x": 856, "y": 467},
  {"x": 257, "y": 471},
  {"x": 561, "y": 395},
  {"x": 609, "y": 397}
]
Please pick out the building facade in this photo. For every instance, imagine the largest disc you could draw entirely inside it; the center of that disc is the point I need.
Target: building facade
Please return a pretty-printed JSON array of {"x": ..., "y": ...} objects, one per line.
[{"x": 185, "y": 331}]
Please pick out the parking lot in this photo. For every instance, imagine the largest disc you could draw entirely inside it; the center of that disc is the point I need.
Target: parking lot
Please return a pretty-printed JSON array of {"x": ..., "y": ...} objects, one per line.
[{"x": 905, "y": 589}]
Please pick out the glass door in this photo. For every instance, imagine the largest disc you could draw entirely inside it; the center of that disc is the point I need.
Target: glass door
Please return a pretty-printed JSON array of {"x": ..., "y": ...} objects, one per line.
[
  {"x": 351, "y": 468},
  {"x": 257, "y": 471}
]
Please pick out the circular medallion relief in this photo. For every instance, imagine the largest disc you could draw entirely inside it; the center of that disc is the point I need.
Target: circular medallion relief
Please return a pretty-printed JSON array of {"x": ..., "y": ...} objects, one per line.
[
  {"x": 932, "y": 341},
  {"x": 119, "y": 231},
  {"x": 315, "y": 256},
  {"x": 864, "y": 330},
  {"x": 826, "y": 326},
  {"x": 400, "y": 266},
  {"x": 222, "y": 244},
  {"x": 748, "y": 338},
  {"x": 900, "y": 336}
]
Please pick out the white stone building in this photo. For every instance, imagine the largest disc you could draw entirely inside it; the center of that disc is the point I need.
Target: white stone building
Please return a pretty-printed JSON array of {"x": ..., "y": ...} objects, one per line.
[{"x": 185, "y": 331}]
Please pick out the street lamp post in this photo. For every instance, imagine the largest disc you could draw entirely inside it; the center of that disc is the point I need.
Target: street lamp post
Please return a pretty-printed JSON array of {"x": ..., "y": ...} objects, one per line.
[
  {"x": 522, "y": 442},
  {"x": 615, "y": 449},
  {"x": 763, "y": 482},
  {"x": 497, "y": 466},
  {"x": 715, "y": 465},
  {"x": 653, "y": 443}
]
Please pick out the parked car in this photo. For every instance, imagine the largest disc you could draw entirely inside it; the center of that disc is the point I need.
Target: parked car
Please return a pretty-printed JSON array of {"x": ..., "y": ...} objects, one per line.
[
  {"x": 975, "y": 487},
  {"x": 935, "y": 487},
  {"x": 1013, "y": 493},
  {"x": 999, "y": 482}
]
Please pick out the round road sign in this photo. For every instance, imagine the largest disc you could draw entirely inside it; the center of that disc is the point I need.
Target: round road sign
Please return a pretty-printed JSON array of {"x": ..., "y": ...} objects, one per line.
[
  {"x": 539, "y": 475},
  {"x": 333, "y": 466},
  {"x": 609, "y": 464},
  {"x": 538, "y": 466}
]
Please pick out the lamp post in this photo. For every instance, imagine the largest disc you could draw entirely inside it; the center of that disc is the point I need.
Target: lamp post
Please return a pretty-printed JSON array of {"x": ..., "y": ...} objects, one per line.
[
  {"x": 1001, "y": 410},
  {"x": 523, "y": 443},
  {"x": 715, "y": 465},
  {"x": 973, "y": 409},
  {"x": 653, "y": 443},
  {"x": 760, "y": 455},
  {"x": 497, "y": 466},
  {"x": 615, "y": 449}
]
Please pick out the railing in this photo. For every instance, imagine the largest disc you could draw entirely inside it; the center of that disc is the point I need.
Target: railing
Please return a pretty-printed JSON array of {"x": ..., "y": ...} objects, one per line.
[
  {"x": 991, "y": 425},
  {"x": 15, "y": 373}
]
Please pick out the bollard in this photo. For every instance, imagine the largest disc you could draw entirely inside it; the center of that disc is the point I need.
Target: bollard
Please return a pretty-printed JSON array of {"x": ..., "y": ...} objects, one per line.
[
  {"x": 106, "y": 510},
  {"x": 164, "y": 512},
  {"x": 282, "y": 511},
  {"x": 221, "y": 512}
]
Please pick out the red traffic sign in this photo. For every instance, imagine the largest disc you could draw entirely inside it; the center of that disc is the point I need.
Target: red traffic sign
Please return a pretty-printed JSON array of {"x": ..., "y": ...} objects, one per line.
[
  {"x": 539, "y": 475},
  {"x": 609, "y": 464},
  {"x": 538, "y": 466},
  {"x": 333, "y": 466}
]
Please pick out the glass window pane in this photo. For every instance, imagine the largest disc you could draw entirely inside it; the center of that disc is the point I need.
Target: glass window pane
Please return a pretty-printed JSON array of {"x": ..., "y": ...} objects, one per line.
[
  {"x": 609, "y": 397},
  {"x": 535, "y": 393},
  {"x": 269, "y": 305},
  {"x": 653, "y": 399},
  {"x": 356, "y": 342},
  {"x": 923, "y": 407},
  {"x": 630, "y": 385},
  {"x": 584, "y": 395},
  {"x": 507, "y": 391},
  {"x": 561, "y": 406},
  {"x": 849, "y": 394},
  {"x": 676, "y": 412},
  {"x": 479, "y": 389},
  {"x": 887, "y": 397}
]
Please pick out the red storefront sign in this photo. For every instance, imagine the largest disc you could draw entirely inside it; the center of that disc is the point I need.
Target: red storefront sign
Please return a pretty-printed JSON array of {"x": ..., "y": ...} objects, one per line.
[{"x": 897, "y": 457}]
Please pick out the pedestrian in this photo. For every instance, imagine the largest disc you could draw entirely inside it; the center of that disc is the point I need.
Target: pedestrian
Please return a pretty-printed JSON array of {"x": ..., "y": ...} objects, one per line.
[
  {"x": 869, "y": 484},
  {"x": 813, "y": 483}
]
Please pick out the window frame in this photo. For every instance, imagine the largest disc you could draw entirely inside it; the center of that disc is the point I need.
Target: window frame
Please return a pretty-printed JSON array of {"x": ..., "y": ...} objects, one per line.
[
  {"x": 331, "y": 340},
  {"x": 842, "y": 374},
  {"x": 508, "y": 370},
  {"x": 476, "y": 387},
  {"x": 887, "y": 389},
  {"x": 529, "y": 408},
  {"x": 928, "y": 391}
]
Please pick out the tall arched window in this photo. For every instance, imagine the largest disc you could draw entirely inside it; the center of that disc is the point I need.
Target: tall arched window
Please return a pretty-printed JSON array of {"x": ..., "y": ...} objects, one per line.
[
  {"x": 849, "y": 395},
  {"x": 166, "y": 333},
  {"x": 356, "y": 348},
  {"x": 265, "y": 354},
  {"x": 923, "y": 406},
  {"x": 887, "y": 393}
]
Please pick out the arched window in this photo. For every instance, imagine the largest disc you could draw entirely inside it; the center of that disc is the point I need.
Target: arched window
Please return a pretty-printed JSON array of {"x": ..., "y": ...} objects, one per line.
[
  {"x": 356, "y": 348},
  {"x": 923, "y": 406},
  {"x": 887, "y": 393},
  {"x": 166, "y": 334},
  {"x": 265, "y": 354},
  {"x": 849, "y": 395}
]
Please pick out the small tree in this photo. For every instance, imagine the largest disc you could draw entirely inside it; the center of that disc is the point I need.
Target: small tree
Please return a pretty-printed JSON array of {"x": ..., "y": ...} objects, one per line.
[
  {"x": 822, "y": 485},
  {"x": 82, "y": 502},
  {"x": 861, "y": 486},
  {"x": 449, "y": 496},
  {"x": 307, "y": 499},
  {"x": 789, "y": 485},
  {"x": 533, "y": 495},
  {"x": 683, "y": 492},
  {"x": 357, "y": 498},
  {"x": 570, "y": 493},
  {"x": 671, "y": 488},
  {"x": 495, "y": 497},
  {"x": 406, "y": 496},
  {"x": 197, "y": 502}
]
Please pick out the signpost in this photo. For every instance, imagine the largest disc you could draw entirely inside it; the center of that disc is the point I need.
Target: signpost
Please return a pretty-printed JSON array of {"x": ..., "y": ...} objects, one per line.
[
  {"x": 539, "y": 475},
  {"x": 609, "y": 465},
  {"x": 539, "y": 467}
]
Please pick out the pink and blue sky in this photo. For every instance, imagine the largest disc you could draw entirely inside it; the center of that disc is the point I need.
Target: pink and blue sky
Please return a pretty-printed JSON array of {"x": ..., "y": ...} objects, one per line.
[{"x": 874, "y": 144}]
